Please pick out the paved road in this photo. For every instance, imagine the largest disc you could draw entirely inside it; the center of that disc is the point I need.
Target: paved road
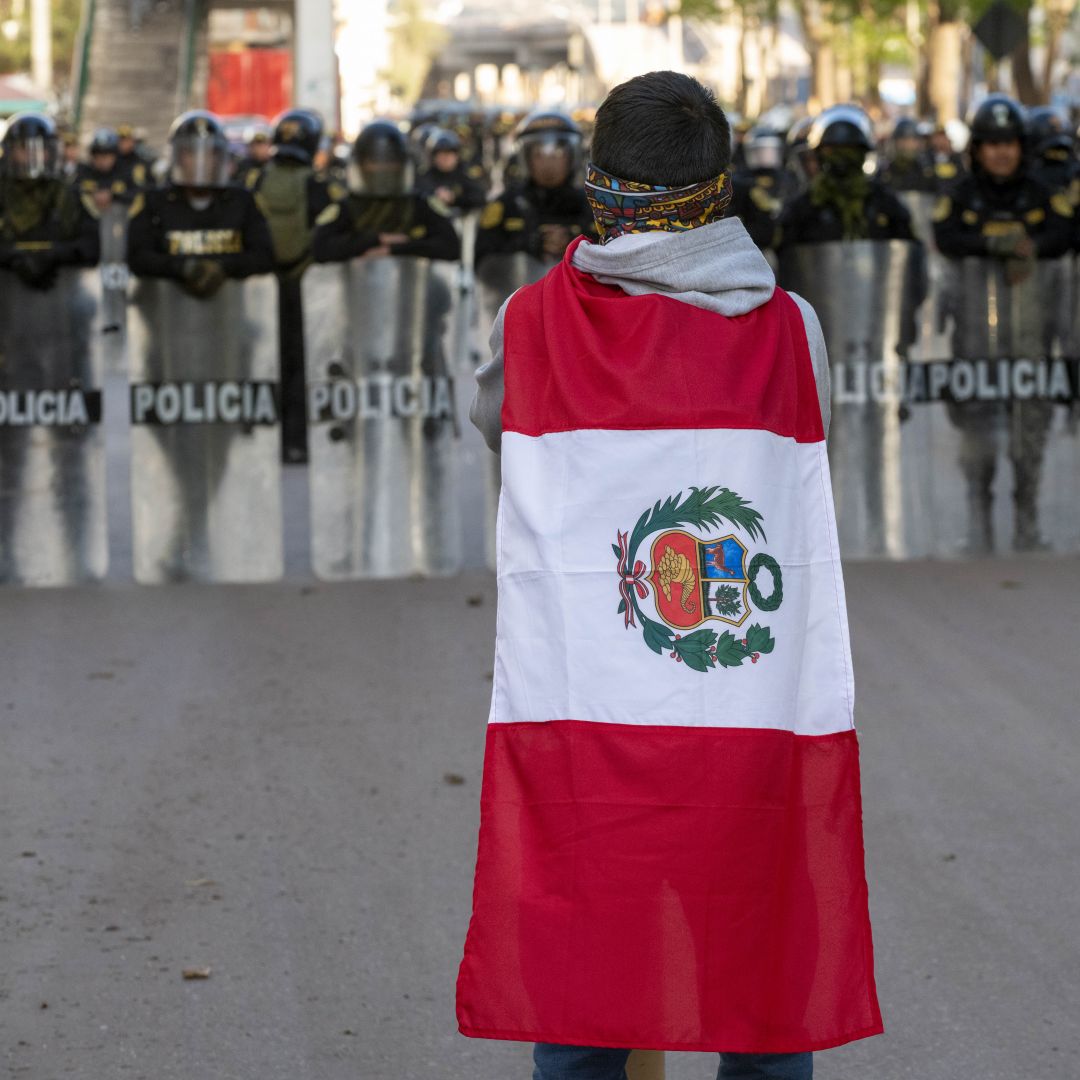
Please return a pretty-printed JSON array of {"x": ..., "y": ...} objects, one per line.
[{"x": 281, "y": 783}]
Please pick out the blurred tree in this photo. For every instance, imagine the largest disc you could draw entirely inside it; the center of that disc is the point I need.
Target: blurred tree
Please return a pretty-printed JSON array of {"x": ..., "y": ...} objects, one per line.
[
  {"x": 415, "y": 40},
  {"x": 15, "y": 51}
]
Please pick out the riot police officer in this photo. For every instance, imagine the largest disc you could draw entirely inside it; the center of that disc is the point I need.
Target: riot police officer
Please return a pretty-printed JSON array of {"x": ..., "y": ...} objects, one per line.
[
  {"x": 800, "y": 162},
  {"x": 383, "y": 214},
  {"x": 542, "y": 212},
  {"x": 259, "y": 146},
  {"x": 43, "y": 223},
  {"x": 101, "y": 178},
  {"x": 842, "y": 202},
  {"x": 760, "y": 189},
  {"x": 449, "y": 179},
  {"x": 198, "y": 229},
  {"x": 999, "y": 211},
  {"x": 947, "y": 164},
  {"x": 131, "y": 160},
  {"x": 1053, "y": 153},
  {"x": 908, "y": 167},
  {"x": 291, "y": 195}
]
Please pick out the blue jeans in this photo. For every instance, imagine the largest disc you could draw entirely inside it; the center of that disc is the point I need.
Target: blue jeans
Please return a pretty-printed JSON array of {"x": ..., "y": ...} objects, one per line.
[{"x": 555, "y": 1062}]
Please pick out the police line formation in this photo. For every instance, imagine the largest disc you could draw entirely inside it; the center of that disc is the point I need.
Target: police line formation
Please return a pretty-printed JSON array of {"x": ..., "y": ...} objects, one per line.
[{"x": 292, "y": 309}]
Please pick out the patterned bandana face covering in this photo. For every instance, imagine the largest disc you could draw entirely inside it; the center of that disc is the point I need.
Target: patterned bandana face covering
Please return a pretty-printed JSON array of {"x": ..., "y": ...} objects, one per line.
[{"x": 624, "y": 206}]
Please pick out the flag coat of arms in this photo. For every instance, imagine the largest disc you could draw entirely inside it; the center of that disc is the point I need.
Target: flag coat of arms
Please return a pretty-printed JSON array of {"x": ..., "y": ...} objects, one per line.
[{"x": 670, "y": 852}]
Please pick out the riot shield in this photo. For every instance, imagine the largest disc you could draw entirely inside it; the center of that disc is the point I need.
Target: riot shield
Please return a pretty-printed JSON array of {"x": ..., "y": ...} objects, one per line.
[
  {"x": 112, "y": 285},
  {"x": 205, "y": 453},
  {"x": 52, "y": 447},
  {"x": 866, "y": 295},
  {"x": 382, "y": 420},
  {"x": 497, "y": 277},
  {"x": 931, "y": 338},
  {"x": 500, "y": 276},
  {"x": 1006, "y": 394}
]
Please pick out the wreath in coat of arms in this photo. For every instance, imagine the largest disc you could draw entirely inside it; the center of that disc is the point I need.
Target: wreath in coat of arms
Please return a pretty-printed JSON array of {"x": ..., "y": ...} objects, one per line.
[{"x": 695, "y": 581}]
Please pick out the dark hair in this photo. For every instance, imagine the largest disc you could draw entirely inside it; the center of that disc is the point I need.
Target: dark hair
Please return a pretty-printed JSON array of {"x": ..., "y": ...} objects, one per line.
[{"x": 663, "y": 128}]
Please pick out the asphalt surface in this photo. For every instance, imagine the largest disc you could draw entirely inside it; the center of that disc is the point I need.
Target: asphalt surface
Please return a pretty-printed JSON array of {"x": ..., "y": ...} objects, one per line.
[{"x": 280, "y": 784}]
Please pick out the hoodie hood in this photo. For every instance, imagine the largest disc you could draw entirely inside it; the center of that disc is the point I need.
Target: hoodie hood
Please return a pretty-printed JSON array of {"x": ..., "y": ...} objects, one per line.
[{"x": 717, "y": 267}]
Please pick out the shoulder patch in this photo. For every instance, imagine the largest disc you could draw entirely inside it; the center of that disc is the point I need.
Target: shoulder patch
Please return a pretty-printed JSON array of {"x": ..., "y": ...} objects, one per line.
[
  {"x": 138, "y": 204},
  {"x": 329, "y": 215},
  {"x": 969, "y": 217},
  {"x": 945, "y": 170},
  {"x": 1038, "y": 215},
  {"x": 492, "y": 215},
  {"x": 90, "y": 206},
  {"x": 1061, "y": 204},
  {"x": 942, "y": 208},
  {"x": 763, "y": 200},
  {"x": 336, "y": 191},
  {"x": 475, "y": 172},
  {"x": 438, "y": 206}
]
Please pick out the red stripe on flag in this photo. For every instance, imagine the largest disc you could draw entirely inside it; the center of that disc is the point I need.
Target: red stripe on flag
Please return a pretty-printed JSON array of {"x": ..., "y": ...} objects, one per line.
[
  {"x": 669, "y": 888},
  {"x": 579, "y": 354}
]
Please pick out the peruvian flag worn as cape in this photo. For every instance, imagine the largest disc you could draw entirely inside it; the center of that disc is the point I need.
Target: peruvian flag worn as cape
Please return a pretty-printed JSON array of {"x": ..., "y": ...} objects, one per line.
[{"x": 670, "y": 851}]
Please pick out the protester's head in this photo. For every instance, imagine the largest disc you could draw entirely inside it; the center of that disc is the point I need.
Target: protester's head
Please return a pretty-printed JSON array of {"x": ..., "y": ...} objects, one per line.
[{"x": 661, "y": 157}]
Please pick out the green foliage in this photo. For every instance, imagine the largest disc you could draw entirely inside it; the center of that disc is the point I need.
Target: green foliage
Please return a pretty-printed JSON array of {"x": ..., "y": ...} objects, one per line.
[
  {"x": 726, "y": 601},
  {"x": 15, "y": 55},
  {"x": 414, "y": 42},
  {"x": 703, "y": 507}
]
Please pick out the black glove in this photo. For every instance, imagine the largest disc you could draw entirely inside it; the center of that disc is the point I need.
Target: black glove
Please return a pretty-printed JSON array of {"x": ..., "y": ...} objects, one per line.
[
  {"x": 202, "y": 277},
  {"x": 37, "y": 269}
]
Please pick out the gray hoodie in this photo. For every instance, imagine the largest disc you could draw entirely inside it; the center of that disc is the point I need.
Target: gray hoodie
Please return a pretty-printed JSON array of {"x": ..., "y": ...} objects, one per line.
[{"x": 717, "y": 267}]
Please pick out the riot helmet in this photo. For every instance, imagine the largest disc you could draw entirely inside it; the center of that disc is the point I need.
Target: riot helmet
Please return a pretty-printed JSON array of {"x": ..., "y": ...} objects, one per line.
[
  {"x": 443, "y": 150},
  {"x": 1047, "y": 131},
  {"x": 297, "y": 135},
  {"x": 549, "y": 145},
  {"x": 441, "y": 140},
  {"x": 906, "y": 128},
  {"x": 764, "y": 148},
  {"x": 800, "y": 158},
  {"x": 381, "y": 163},
  {"x": 998, "y": 142},
  {"x": 841, "y": 138},
  {"x": 198, "y": 151},
  {"x": 104, "y": 141},
  {"x": 30, "y": 148},
  {"x": 997, "y": 119},
  {"x": 841, "y": 126},
  {"x": 906, "y": 139}
]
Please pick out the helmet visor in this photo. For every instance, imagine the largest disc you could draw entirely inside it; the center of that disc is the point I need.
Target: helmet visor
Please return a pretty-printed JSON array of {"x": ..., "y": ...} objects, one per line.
[
  {"x": 199, "y": 161},
  {"x": 764, "y": 154},
  {"x": 35, "y": 157},
  {"x": 550, "y": 156}
]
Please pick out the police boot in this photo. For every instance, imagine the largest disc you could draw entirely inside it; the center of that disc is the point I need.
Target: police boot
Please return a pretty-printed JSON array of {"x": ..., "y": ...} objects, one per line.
[
  {"x": 980, "y": 536},
  {"x": 1026, "y": 535}
]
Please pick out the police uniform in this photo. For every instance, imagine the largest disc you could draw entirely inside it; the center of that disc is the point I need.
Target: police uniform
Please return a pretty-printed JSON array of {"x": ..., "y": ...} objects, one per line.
[
  {"x": 1054, "y": 162},
  {"x": 515, "y": 221},
  {"x": 984, "y": 217},
  {"x": 90, "y": 180},
  {"x": 465, "y": 183},
  {"x": 974, "y": 211},
  {"x": 348, "y": 229},
  {"x": 757, "y": 201},
  {"x": 760, "y": 189},
  {"x": 166, "y": 232},
  {"x": 883, "y": 217},
  {"x": 901, "y": 173},
  {"x": 842, "y": 202},
  {"x": 45, "y": 225},
  {"x": 291, "y": 195}
]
